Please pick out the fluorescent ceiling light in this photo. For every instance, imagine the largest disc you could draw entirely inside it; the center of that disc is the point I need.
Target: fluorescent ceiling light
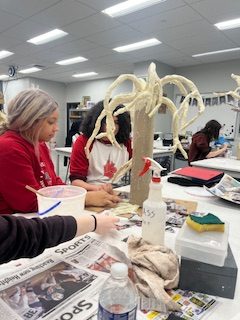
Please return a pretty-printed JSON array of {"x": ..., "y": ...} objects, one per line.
[
  {"x": 47, "y": 37},
  {"x": 130, "y": 6},
  {"x": 3, "y": 76},
  {"x": 86, "y": 74},
  {"x": 30, "y": 70},
  {"x": 4, "y": 54},
  {"x": 71, "y": 61},
  {"x": 138, "y": 45},
  {"x": 215, "y": 52},
  {"x": 229, "y": 24}
]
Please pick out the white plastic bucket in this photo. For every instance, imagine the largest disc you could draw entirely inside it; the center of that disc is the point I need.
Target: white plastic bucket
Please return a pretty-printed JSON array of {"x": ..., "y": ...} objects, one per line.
[{"x": 61, "y": 200}]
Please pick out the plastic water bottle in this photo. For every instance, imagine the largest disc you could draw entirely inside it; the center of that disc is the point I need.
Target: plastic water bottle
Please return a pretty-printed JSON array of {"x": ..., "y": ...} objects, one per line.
[{"x": 118, "y": 297}]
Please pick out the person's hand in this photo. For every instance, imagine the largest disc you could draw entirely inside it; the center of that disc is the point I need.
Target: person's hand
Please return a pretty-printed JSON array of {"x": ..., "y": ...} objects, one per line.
[
  {"x": 95, "y": 223},
  {"x": 106, "y": 187},
  {"x": 224, "y": 148},
  {"x": 105, "y": 223},
  {"x": 101, "y": 199}
]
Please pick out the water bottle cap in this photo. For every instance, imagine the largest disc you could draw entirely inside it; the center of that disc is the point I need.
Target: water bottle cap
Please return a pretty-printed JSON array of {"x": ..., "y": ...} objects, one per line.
[{"x": 119, "y": 270}]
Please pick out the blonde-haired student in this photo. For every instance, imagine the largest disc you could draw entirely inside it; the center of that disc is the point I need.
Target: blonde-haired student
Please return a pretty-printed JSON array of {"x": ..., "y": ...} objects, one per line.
[{"x": 32, "y": 120}]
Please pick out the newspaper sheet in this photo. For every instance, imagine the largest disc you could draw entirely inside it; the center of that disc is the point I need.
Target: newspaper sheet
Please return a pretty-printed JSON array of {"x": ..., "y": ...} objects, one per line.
[
  {"x": 228, "y": 188},
  {"x": 49, "y": 288},
  {"x": 177, "y": 211},
  {"x": 65, "y": 282},
  {"x": 62, "y": 285},
  {"x": 193, "y": 306}
]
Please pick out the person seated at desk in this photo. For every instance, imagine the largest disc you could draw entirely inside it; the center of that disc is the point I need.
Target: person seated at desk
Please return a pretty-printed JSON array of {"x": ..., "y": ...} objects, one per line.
[
  {"x": 25, "y": 159},
  {"x": 26, "y": 238},
  {"x": 200, "y": 148},
  {"x": 105, "y": 159},
  {"x": 72, "y": 136}
]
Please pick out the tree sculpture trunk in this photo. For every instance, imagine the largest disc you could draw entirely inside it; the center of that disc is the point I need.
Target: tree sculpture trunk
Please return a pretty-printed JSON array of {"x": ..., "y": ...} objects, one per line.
[{"x": 142, "y": 146}]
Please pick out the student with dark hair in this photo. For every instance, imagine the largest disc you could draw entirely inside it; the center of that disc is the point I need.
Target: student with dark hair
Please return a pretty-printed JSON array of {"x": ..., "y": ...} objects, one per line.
[
  {"x": 72, "y": 136},
  {"x": 200, "y": 147},
  {"x": 105, "y": 159}
]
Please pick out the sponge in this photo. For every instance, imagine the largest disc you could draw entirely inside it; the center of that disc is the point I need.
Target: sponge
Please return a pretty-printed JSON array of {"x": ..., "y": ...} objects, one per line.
[{"x": 209, "y": 222}]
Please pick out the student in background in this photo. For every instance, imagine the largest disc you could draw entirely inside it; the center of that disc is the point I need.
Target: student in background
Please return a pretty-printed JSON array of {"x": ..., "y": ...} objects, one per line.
[
  {"x": 24, "y": 158},
  {"x": 200, "y": 147},
  {"x": 72, "y": 136},
  {"x": 105, "y": 159},
  {"x": 26, "y": 238}
]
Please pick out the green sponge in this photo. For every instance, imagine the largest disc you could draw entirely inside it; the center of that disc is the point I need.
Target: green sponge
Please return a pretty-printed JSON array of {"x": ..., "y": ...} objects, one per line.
[{"x": 209, "y": 222}]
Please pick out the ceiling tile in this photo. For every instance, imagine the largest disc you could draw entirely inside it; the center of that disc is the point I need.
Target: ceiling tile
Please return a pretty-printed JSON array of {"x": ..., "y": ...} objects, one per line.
[
  {"x": 8, "y": 20},
  {"x": 210, "y": 42},
  {"x": 25, "y": 30},
  {"x": 99, "y": 5},
  {"x": 26, "y": 8},
  {"x": 92, "y": 25},
  {"x": 153, "y": 10},
  {"x": 165, "y": 20},
  {"x": 117, "y": 36},
  {"x": 62, "y": 13},
  {"x": 218, "y": 10}
]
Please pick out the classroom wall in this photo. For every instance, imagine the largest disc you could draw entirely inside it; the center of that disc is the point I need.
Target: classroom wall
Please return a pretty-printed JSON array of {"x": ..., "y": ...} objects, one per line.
[
  {"x": 96, "y": 89},
  {"x": 213, "y": 77}
]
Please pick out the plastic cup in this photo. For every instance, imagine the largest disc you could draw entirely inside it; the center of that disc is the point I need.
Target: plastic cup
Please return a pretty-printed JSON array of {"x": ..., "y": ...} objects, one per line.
[{"x": 61, "y": 200}]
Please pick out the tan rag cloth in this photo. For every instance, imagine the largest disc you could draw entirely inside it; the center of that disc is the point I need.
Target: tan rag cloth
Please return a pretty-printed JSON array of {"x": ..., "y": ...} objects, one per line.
[{"x": 156, "y": 268}]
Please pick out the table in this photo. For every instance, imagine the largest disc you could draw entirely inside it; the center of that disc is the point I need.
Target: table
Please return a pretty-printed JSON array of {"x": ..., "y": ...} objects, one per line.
[
  {"x": 227, "y": 309},
  {"x": 226, "y": 211},
  {"x": 66, "y": 152},
  {"x": 228, "y": 165}
]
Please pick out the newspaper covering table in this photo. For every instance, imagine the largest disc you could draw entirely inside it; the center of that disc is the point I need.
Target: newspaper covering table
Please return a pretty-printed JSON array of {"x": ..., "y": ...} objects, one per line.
[
  {"x": 228, "y": 189},
  {"x": 65, "y": 282}
]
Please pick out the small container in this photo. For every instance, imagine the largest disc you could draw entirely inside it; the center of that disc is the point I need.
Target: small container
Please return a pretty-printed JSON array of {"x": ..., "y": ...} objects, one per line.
[
  {"x": 63, "y": 199},
  {"x": 208, "y": 247}
]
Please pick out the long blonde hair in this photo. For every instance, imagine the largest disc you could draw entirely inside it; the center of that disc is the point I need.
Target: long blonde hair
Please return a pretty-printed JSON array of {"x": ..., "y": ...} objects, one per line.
[{"x": 26, "y": 113}]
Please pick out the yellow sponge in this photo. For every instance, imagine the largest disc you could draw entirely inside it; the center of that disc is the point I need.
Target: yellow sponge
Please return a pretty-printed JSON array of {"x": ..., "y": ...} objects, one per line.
[{"x": 208, "y": 222}]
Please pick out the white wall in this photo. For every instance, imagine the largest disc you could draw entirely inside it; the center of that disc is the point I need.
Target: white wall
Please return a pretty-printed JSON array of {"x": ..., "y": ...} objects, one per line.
[
  {"x": 96, "y": 89},
  {"x": 213, "y": 77},
  {"x": 13, "y": 87}
]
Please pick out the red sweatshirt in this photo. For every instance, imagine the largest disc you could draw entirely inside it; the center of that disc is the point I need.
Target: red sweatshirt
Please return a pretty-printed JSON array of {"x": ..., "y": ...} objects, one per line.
[
  {"x": 19, "y": 167},
  {"x": 199, "y": 147}
]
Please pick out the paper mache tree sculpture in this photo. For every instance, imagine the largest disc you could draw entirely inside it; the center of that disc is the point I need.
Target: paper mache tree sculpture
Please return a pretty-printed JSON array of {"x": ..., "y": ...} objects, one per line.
[
  {"x": 142, "y": 103},
  {"x": 233, "y": 93}
]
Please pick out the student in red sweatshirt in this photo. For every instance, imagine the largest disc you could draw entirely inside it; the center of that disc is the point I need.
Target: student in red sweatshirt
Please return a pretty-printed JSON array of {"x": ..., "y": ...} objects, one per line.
[
  {"x": 30, "y": 237},
  {"x": 24, "y": 158},
  {"x": 200, "y": 148}
]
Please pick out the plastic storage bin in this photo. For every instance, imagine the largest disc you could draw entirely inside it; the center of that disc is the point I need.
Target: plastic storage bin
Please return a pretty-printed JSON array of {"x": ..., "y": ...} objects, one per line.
[
  {"x": 208, "y": 247},
  {"x": 61, "y": 200}
]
